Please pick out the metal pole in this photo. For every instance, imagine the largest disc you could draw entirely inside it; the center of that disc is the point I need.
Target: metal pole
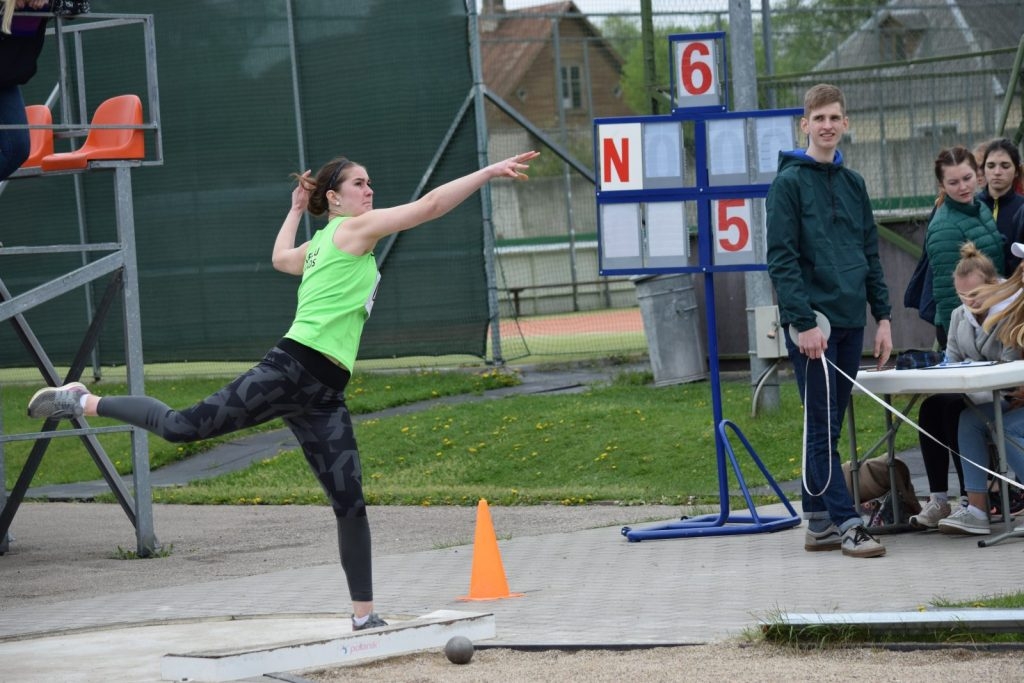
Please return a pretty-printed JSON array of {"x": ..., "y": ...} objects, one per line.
[
  {"x": 1015, "y": 74},
  {"x": 647, "y": 41},
  {"x": 124, "y": 209},
  {"x": 766, "y": 38},
  {"x": 757, "y": 284},
  {"x": 563, "y": 85},
  {"x": 4, "y": 536},
  {"x": 485, "y": 192},
  {"x": 297, "y": 103},
  {"x": 606, "y": 291},
  {"x": 83, "y": 118}
]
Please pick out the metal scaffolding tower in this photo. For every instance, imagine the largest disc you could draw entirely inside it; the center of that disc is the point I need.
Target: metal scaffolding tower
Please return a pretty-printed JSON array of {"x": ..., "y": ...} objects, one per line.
[{"x": 118, "y": 261}]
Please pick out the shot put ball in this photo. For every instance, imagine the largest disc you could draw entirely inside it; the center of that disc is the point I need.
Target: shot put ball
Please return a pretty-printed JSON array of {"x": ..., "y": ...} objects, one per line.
[{"x": 459, "y": 650}]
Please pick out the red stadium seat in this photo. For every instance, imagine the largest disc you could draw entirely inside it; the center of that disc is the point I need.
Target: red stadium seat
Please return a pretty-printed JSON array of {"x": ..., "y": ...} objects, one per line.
[
  {"x": 40, "y": 140},
  {"x": 106, "y": 143}
]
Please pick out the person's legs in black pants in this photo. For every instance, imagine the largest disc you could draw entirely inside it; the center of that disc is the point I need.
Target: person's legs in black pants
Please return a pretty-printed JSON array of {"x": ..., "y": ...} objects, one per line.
[{"x": 939, "y": 416}]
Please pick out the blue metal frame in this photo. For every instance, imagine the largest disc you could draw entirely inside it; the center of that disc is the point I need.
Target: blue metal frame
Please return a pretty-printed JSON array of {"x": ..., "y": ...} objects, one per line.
[
  {"x": 702, "y": 194},
  {"x": 718, "y": 525}
]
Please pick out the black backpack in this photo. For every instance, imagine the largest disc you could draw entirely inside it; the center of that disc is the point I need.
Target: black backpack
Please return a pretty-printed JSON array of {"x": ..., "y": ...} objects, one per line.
[{"x": 919, "y": 290}]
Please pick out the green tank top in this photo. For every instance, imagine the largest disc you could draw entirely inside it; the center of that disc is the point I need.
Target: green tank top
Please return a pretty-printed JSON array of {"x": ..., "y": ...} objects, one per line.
[{"x": 335, "y": 297}]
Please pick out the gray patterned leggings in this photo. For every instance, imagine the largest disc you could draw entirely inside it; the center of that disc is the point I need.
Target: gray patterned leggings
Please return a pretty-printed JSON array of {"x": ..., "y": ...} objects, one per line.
[{"x": 279, "y": 387}]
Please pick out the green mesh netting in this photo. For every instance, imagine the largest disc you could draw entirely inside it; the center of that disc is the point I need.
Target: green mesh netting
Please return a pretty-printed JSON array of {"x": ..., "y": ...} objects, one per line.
[{"x": 379, "y": 82}]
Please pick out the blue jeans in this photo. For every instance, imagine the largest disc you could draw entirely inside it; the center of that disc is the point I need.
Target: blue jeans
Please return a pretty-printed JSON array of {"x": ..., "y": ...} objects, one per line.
[
  {"x": 14, "y": 144},
  {"x": 825, "y": 413},
  {"x": 974, "y": 439}
]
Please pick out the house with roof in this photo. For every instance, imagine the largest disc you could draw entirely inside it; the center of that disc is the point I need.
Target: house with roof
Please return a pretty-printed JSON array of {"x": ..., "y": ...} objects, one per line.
[
  {"x": 551, "y": 64},
  {"x": 931, "y": 77},
  {"x": 552, "y": 67}
]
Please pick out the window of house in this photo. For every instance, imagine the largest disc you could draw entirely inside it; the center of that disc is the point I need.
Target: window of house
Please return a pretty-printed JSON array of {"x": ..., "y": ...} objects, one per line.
[
  {"x": 896, "y": 41},
  {"x": 892, "y": 46},
  {"x": 572, "y": 87},
  {"x": 937, "y": 130}
]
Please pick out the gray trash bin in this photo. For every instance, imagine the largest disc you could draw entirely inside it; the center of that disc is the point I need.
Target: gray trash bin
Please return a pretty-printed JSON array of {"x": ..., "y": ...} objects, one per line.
[{"x": 668, "y": 307}]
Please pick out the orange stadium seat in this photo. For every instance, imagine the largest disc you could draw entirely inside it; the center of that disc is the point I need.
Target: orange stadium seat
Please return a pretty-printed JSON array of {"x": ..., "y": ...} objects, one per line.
[
  {"x": 40, "y": 140},
  {"x": 106, "y": 143}
]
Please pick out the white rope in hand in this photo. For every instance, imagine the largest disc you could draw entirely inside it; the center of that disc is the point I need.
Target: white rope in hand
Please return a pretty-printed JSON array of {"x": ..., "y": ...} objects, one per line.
[
  {"x": 828, "y": 410},
  {"x": 913, "y": 424}
]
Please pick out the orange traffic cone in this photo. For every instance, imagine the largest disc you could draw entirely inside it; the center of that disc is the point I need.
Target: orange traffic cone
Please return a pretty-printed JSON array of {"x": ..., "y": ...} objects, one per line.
[{"x": 488, "y": 579}]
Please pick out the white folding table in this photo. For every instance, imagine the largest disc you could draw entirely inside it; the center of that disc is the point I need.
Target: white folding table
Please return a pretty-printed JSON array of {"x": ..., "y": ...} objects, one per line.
[{"x": 952, "y": 379}]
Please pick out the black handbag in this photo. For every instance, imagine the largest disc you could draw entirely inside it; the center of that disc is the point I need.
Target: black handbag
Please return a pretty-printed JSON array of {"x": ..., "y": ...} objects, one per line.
[{"x": 912, "y": 359}]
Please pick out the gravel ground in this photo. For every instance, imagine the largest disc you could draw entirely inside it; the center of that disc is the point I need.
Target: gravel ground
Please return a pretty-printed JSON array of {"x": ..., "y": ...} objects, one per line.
[{"x": 715, "y": 663}]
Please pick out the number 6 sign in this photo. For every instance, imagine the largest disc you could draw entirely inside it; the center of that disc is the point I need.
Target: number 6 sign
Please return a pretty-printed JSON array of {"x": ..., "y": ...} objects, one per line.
[{"x": 697, "y": 70}]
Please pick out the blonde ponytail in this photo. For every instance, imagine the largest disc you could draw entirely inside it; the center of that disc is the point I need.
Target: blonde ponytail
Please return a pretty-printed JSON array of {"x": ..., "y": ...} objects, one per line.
[{"x": 1011, "y": 332}]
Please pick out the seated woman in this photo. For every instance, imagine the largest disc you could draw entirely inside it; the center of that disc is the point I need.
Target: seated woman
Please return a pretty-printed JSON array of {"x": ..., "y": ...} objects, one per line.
[
  {"x": 940, "y": 413},
  {"x": 1008, "y": 324}
]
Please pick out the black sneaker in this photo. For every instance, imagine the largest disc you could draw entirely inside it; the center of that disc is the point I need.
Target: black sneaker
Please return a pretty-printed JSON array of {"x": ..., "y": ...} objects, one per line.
[
  {"x": 1016, "y": 502},
  {"x": 372, "y": 622}
]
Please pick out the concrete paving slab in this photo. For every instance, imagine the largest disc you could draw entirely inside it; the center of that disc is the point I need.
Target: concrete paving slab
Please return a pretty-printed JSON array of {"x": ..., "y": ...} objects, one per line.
[
  {"x": 247, "y": 647},
  {"x": 133, "y": 654},
  {"x": 400, "y": 637},
  {"x": 980, "y": 620}
]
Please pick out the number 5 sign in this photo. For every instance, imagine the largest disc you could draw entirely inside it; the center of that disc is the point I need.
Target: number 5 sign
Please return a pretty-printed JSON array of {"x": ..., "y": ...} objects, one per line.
[
  {"x": 698, "y": 68},
  {"x": 733, "y": 225}
]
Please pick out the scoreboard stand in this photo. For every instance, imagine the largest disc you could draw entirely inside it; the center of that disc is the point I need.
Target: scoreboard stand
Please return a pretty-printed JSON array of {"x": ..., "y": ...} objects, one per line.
[{"x": 649, "y": 194}]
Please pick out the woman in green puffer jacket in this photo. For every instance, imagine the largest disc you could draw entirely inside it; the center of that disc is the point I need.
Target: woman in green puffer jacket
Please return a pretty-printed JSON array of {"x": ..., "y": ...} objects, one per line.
[{"x": 959, "y": 217}]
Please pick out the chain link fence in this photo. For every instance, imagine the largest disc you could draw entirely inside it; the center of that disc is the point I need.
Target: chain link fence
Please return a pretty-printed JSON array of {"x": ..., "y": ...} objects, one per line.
[{"x": 919, "y": 75}]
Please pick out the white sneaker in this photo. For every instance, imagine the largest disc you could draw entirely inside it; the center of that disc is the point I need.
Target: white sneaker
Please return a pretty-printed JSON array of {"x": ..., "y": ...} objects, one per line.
[
  {"x": 963, "y": 521},
  {"x": 857, "y": 542},
  {"x": 64, "y": 402},
  {"x": 930, "y": 515}
]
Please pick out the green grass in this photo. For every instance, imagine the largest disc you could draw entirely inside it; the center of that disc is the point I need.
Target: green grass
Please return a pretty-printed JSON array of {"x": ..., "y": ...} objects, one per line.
[
  {"x": 629, "y": 443},
  {"x": 126, "y": 554},
  {"x": 67, "y": 461}
]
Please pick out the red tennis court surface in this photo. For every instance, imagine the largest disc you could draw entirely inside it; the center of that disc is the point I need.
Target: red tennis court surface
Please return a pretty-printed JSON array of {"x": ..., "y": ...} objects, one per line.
[{"x": 609, "y": 321}]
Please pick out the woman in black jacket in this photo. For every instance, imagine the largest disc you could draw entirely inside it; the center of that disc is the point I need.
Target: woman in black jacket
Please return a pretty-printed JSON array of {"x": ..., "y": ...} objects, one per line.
[
  {"x": 1002, "y": 194},
  {"x": 21, "y": 41}
]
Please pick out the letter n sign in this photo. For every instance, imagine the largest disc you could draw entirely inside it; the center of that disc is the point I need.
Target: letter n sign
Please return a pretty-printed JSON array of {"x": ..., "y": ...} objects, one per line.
[
  {"x": 620, "y": 156},
  {"x": 698, "y": 69}
]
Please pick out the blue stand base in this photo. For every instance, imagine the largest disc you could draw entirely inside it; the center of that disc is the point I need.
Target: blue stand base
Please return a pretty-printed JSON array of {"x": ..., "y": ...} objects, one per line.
[{"x": 718, "y": 525}]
